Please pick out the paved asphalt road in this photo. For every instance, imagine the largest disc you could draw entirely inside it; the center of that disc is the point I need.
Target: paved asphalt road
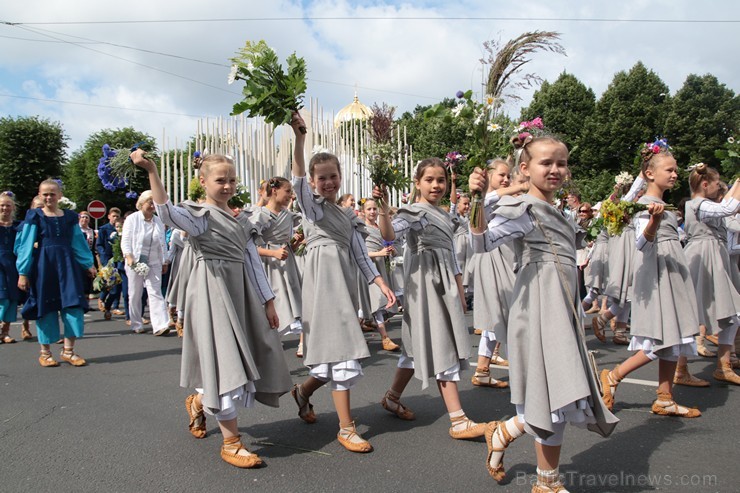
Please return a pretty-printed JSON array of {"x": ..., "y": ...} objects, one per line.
[{"x": 119, "y": 424}]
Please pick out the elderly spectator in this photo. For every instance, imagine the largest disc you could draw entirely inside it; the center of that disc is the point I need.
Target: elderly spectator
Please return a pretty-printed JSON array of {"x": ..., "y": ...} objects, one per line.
[{"x": 143, "y": 243}]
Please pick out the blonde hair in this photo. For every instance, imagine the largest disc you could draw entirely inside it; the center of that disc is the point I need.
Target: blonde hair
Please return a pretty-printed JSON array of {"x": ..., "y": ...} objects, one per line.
[
  {"x": 145, "y": 196},
  {"x": 211, "y": 160},
  {"x": 9, "y": 196}
]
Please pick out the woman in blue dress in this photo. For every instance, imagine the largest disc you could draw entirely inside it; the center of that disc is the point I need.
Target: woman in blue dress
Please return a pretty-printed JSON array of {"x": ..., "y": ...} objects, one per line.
[
  {"x": 53, "y": 276},
  {"x": 10, "y": 295}
]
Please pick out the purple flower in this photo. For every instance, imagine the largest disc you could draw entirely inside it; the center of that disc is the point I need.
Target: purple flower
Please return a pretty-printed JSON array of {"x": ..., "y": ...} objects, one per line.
[
  {"x": 196, "y": 154},
  {"x": 460, "y": 94},
  {"x": 8, "y": 193},
  {"x": 131, "y": 195},
  {"x": 387, "y": 244}
]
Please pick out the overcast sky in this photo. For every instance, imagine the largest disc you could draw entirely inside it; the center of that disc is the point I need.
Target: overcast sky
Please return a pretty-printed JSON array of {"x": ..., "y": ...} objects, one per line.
[{"x": 55, "y": 63}]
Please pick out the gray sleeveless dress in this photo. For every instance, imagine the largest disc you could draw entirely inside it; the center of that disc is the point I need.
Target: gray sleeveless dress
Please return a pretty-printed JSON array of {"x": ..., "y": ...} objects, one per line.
[
  {"x": 664, "y": 302},
  {"x": 330, "y": 328},
  {"x": 493, "y": 278},
  {"x": 596, "y": 274},
  {"x": 374, "y": 243},
  {"x": 434, "y": 332},
  {"x": 228, "y": 342},
  {"x": 548, "y": 360},
  {"x": 284, "y": 277},
  {"x": 716, "y": 282}
]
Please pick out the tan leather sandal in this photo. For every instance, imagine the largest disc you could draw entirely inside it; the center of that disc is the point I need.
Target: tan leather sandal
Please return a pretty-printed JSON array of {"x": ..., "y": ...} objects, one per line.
[
  {"x": 69, "y": 355},
  {"x": 25, "y": 331},
  {"x": 483, "y": 378},
  {"x": 389, "y": 345},
  {"x": 305, "y": 408},
  {"x": 230, "y": 454},
  {"x": 668, "y": 407},
  {"x": 620, "y": 338},
  {"x": 471, "y": 430},
  {"x": 197, "y": 425},
  {"x": 47, "y": 360},
  {"x": 598, "y": 327},
  {"x": 725, "y": 373},
  {"x": 683, "y": 377},
  {"x": 609, "y": 386},
  {"x": 352, "y": 441},
  {"x": 397, "y": 408},
  {"x": 498, "y": 473}
]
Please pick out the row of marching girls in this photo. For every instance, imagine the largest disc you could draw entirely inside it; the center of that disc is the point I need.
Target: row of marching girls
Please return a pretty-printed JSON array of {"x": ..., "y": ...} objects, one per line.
[{"x": 676, "y": 291}]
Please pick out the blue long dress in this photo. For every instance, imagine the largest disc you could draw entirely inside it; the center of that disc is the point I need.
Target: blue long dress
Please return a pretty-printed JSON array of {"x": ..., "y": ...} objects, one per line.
[
  {"x": 55, "y": 272},
  {"x": 10, "y": 295}
]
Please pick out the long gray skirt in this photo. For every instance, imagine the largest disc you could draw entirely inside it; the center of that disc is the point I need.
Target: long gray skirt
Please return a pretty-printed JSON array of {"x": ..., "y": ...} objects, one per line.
[{"x": 716, "y": 286}]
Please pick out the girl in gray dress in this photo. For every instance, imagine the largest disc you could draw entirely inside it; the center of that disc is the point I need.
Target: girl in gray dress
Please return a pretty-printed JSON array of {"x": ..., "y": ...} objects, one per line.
[
  {"x": 664, "y": 313},
  {"x": 716, "y": 280},
  {"x": 434, "y": 332},
  {"x": 379, "y": 252},
  {"x": 334, "y": 342},
  {"x": 550, "y": 377},
  {"x": 230, "y": 353},
  {"x": 493, "y": 274},
  {"x": 275, "y": 231}
]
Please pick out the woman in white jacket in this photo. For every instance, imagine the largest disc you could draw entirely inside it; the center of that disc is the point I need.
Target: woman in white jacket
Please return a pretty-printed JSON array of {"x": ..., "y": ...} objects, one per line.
[{"x": 143, "y": 242}]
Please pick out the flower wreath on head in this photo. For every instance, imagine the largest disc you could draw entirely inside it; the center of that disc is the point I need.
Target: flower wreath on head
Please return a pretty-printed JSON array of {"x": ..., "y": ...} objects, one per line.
[
  {"x": 319, "y": 149},
  {"x": 659, "y": 145}
]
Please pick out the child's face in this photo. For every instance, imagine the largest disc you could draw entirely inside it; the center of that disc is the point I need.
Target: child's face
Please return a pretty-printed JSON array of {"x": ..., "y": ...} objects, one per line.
[
  {"x": 50, "y": 195},
  {"x": 119, "y": 225},
  {"x": 663, "y": 173},
  {"x": 283, "y": 195},
  {"x": 7, "y": 206},
  {"x": 463, "y": 205},
  {"x": 326, "y": 180},
  {"x": 370, "y": 210},
  {"x": 499, "y": 177},
  {"x": 219, "y": 183},
  {"x": 547, "y": 167},
  {"x": 432, "y": 185}
]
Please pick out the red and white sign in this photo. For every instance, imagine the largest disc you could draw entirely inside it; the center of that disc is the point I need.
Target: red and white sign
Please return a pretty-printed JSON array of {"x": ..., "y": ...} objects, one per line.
[{"x": 96, "y": 209}]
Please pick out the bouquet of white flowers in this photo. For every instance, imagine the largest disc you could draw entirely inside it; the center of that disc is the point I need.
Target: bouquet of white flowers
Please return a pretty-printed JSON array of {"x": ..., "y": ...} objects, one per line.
[
  {"x": 624, "y": 179},
  {"x": 141, "y": 269},
  {"x": 65, "y": 203}
]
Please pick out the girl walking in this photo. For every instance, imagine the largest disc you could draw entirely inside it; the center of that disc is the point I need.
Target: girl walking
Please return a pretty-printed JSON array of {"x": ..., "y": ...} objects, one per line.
[
  {"x": 550, "y": 377},
  {"x": 434, "y": 332},
  {"x": 664, "y": 313},
  {"x": 230, "y": 353},
  {"x": 333, "y": 340},
  {"x": 53, "y": 274}
]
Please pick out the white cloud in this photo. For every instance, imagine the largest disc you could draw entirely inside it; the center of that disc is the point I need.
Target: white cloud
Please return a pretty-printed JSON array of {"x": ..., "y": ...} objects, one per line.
[{"x": 430, "y": 57}]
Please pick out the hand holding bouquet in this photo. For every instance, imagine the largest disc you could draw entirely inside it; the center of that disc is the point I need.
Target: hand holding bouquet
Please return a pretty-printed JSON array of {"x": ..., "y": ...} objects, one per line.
[
  {"x": 617, "y": 215},
  {"x": 269, "y": 91}
]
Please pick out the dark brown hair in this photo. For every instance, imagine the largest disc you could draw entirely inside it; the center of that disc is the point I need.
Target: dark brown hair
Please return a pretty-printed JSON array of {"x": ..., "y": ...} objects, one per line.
[
  {"x": 275, "y": 183},
  {"x": 320, "y": 158}
]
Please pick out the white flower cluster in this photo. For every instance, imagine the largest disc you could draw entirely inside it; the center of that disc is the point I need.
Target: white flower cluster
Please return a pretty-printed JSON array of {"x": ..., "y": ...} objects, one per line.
[
  {"x": 318, "y": 149},
  {"x": 624, "y": 179},
  {"x": 457, "y": 109},
  {"x": 141, "y": 269},
  {"x": 65, "y": 203}
]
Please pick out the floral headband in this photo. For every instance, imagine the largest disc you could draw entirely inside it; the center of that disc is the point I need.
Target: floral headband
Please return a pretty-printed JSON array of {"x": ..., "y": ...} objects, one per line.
[{"x": 660, "y": 145}]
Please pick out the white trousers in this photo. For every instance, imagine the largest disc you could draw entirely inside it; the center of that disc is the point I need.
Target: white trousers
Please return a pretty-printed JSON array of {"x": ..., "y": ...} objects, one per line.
[{"x": 157, "y": 306}]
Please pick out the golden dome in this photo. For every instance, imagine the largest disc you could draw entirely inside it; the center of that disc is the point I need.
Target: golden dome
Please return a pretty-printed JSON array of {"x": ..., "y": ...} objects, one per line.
[{"x": 353, "y": 111}]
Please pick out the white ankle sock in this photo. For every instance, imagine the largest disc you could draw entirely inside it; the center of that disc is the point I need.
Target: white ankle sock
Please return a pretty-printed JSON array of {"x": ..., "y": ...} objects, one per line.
[{"x": 497, "y": 441}]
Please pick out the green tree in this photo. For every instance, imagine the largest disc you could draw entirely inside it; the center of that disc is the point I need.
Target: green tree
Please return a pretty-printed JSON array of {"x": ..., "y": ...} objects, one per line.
[
  {"x": 704, "y": 114},
  {"x": 31, "y": 150},
  {"x": 631, "y": 112},
  {"x": 563, "y": 105},
  {"x": 81, "y": 172}
]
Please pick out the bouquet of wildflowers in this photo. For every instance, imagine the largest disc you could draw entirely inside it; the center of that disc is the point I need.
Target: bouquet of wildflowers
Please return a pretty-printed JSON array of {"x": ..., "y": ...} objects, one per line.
[
  {"x": 107, "y": 277},
  {"x": 383, "y": 160},
  {"x": 141, "y": 269},
  {"x": 269, "y": 91},
  {"x": 624, "y": 179},
  {"x": 302, "y": 247},
  {"x": 454, "y": 158},
  {"x": 115, "y": 168},
  {"x": 65, "y": 203},
  {"x": 388, "y": 259},
  {"x": 487, "y": 130},
  {"x": 617, "y": 215}
]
